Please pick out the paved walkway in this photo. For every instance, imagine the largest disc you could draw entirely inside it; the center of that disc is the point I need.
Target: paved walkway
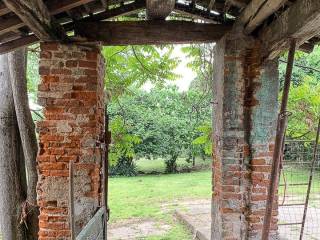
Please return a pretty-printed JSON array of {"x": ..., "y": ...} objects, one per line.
[{"x": 196, "y": 216}]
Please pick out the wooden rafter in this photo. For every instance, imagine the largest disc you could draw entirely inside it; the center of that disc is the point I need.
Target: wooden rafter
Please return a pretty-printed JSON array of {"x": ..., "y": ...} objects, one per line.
[
  {"x": 35, "y": 15},
  {"x": 59, "y": 6},
  {"x": 201, "y": 14},
  {"x": 3, "y": 9},
  {"x": 10, "y": 24},
  {"x": 149, "y": 32},
  {"x": 18, "y": 43},
  {"x": 300, "y": 21},
  {"x": 257, "y": 11}
]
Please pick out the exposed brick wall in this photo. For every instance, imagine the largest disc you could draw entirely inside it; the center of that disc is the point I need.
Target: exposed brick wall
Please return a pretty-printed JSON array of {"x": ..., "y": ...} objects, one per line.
[
  {"x": 244, "y": 128},
  {"x": 71, "y": 92}
]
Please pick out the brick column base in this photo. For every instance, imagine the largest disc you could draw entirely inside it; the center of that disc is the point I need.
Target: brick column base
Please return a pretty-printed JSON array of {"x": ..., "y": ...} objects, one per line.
[
  {"x": 245, "y": 114},
  {"x": 71, "y": 92}
]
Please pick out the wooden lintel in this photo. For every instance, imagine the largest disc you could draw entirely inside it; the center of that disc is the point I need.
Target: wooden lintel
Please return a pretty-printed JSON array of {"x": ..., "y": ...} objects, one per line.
[
  {"x": 149, "y": 32},
  {"x": 18, "y": 43},
  {"x": 300, "y": 21},
  {"x": 257, "y": 11}
]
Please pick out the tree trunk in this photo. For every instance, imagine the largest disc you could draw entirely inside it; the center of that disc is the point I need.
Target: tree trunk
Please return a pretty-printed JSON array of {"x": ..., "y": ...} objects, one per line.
[
  {"x": 17, "y": 69},
  {"x": 11, "y": 194}
]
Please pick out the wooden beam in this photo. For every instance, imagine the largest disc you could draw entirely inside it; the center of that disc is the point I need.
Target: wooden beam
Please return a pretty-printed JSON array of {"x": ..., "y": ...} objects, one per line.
[
  {"x": 211, "y": 3},
  {"x": 10, "y": 24},
  {"x": 149, "y": 32},
  {"x": 200, "y": 14},
  {"x": 300, "y": 21},
  {"x": 59, "y": 6},
  {"x": 3, "y": 9},
  {"x": 257, "y": 11},
  {"x": 19, "y": 43},
  {"x": 35, "y": 15}
]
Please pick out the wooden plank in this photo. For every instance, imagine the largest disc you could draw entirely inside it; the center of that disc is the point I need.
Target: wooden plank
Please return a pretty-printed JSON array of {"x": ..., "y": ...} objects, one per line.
[
  {"x": 149, "y": 32},
  {"x": 10, "y": 24},
  {"x": 9, "y": 36},
  {"x": 16, "y": 44},
  {"x": 111, "y": 13},
  {"x": 300, "y": 21},
  {"x": 257, "y": 11},
  {"x": 3, "y": 9},
  {"x": 59, "y": 6},
  {"x": 201, "y": 14},
  {"x": 35, "y": 15}
]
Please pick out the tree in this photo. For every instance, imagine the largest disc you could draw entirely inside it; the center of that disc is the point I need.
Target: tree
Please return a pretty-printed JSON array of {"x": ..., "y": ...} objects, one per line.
[
  {"x": 165, "y": 120},
  {"x": 18, "y": 149},
  {"x": 304, "y": 106}
]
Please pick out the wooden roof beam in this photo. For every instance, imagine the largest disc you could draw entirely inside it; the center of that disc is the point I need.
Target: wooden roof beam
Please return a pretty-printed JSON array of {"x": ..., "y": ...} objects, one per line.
[
  {"x": 18, "y": 43},
  {"x": 59, "y": 6},
  {"x": 36, "y": 16},
  {"x": 10, "y": 24},
  {"x": 300, "y": 21},
  {"x": 149, "y": 32},
  {"x": 3, "y": 9},
  {"x": 256, "y": 12}
]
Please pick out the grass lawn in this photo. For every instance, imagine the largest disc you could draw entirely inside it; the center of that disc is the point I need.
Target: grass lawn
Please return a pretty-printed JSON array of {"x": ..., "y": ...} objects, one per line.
[
  {"x": 144, "y": 197},
  {"x": 158, "y": 165},
  {"x": 295, "y": 175}
]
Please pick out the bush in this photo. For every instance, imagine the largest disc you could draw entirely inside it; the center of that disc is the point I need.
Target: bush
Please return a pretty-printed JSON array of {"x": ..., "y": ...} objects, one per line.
[{"x": 124, "y": 167}]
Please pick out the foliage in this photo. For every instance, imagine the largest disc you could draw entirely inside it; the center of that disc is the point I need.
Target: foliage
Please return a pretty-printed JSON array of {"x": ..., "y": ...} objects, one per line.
[
  {"x": 33, "y": 77},
  {"x": 311, "y": 60},
  {"x": 304, "y": 104},
  {"x": 122, "y": 142},
  {"x": 165, "y": 120},
  {"x": 205, "y": 139},
  {"x": 133, "y": 66}
]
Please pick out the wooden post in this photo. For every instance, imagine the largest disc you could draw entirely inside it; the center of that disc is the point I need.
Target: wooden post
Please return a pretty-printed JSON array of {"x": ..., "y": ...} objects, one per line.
[
  {"x": 315, "y": 151},
  {"x": 71, "y": 201},
  {"x": 282, "y": 119}
]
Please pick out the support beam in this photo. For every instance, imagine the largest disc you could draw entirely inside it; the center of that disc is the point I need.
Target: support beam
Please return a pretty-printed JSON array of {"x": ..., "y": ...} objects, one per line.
[
  {"x": 257, "y": 11},
  {"x": 59, "y": 6},
  {"x": 3, "y": 9},
  {"x": 200, "y": 14},
  {"x": 35, "y": 15},
  {"x": 301, "y": 21},
  {"x": 18, "y": 43},
  {"x": 149, "y": 32},
  {"x": 10, "y": 24}
]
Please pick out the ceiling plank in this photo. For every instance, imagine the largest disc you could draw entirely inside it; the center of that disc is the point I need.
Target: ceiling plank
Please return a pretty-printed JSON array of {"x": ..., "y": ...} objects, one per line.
[
  {"x": 10, "y": 24},
  {"x": 300, "y": 21},
  {"x": 257, "y": 11},
  {"x": 35, "y": 15},
  {"x": 18, "y": 43},
  {"x": 3, "y": 9},
  {"x": 59, "y": 6},
  {"x": 200, "y": 14},
  {"x": 149, "y": 32}
]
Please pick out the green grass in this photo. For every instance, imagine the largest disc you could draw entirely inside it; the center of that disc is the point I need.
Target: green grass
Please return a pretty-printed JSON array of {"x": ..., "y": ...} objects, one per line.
[
  {"x": 295, "y": 175},
  {"x": 158, "y": 165},
  {"x": 144, "y": 196}
]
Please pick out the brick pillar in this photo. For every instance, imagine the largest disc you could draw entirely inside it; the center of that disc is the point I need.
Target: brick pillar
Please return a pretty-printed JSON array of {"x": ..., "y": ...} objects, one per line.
[
  {"x": 71, "y": 92},
  {"x": 245, "y": 113}
]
